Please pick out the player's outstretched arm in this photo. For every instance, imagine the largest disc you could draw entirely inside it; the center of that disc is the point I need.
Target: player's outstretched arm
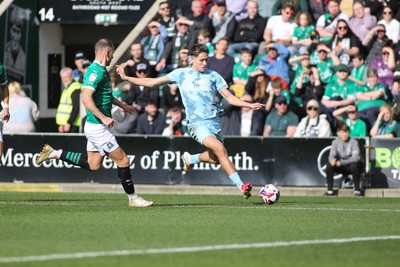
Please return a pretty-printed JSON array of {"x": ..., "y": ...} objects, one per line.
[
  {"x": 88, "y": 102},
  {"x": 233, "y": 100},
  {"x": 148, "y": 82}
]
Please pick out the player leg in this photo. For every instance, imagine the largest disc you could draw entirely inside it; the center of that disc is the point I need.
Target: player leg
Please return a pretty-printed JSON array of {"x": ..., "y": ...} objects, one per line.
[
  {"x": 124, "y": 174},
  {"x": 217, "y": 154},
  {"x": 209, "y": 135},
  {"x": 90, "y": 161}
]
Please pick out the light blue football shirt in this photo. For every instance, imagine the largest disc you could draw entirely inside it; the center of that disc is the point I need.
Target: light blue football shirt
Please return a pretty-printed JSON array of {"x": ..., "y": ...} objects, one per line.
[{"x": 198, "y": 91}]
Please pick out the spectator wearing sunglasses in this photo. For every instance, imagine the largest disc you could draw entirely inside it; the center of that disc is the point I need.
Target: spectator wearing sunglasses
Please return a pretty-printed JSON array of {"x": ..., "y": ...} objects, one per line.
[
  {"x": 279, "y": 28},
  {"x": 392, "y": 25},
  {"x": 298, "y": 5},
  {"x": 314, "y": 124},
  {"x": 349, "y": 116},
  {"x": 344, "y": 43},
  {"x": 385, "y": 65},
  {"x": 326, "y": 23}
]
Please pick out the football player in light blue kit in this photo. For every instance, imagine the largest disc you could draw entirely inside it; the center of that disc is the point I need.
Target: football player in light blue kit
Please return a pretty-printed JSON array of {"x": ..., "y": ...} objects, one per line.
[{"x": 199, "y": 86}]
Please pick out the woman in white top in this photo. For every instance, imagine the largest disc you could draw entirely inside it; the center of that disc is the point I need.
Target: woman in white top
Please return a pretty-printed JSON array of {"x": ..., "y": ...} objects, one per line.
[
  {"x": 392, "y": 25},
  {"x": 24, "y": 112},
  {"x": 314, "y": 124}
]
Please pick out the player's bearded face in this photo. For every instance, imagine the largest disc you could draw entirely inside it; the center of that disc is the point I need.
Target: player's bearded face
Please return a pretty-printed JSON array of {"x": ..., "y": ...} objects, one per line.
[
  {"x": 200, "y": 62},
  {"x": 109, "y": 57}
]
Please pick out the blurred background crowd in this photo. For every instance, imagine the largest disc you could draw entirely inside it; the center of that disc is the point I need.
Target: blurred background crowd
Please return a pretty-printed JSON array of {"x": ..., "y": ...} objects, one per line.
[{"x": 313, "y": 63}]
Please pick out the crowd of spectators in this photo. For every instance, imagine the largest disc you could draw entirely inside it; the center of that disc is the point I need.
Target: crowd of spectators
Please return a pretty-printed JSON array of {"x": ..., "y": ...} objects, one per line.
[{"x": 313, "y": 63}]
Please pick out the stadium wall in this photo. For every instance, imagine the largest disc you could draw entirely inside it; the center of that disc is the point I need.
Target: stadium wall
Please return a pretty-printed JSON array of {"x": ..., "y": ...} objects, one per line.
[{"x": 156, "y": 160}]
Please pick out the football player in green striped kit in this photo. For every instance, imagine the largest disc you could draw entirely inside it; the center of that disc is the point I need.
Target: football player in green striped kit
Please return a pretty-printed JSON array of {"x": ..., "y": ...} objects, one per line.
[
  {"x": 4, "y": 111},
  {"x": 98, "y": 100}
]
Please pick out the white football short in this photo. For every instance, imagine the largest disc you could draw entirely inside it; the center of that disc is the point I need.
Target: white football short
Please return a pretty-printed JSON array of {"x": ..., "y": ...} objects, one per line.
[
  {"x": 100, "y": 138},
  {"x": 1, "y": 130}
]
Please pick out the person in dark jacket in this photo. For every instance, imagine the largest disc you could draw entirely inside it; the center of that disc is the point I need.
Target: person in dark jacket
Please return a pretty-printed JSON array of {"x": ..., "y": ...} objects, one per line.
[
  {"x": 249, "y": 31},
  {"x": 151, "y": 121},
  {"x": 242, "y": 121}
]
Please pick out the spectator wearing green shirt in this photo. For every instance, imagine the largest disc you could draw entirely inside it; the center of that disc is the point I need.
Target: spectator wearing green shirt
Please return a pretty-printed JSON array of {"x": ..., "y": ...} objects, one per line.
[
  {"x": 324, "y": 59},
  {"x": 241, "y": 72},
  {"x": 301, "y": 35},
  {"x": 339, "y": 92},
  {"x": 359, "y": 72},
  {"x": 281, "y": 121},
  {"x": 357, "y": 126},
  {"x": 370, "y": 98},
  {"x": 299, "y": 65},
  {"x": 274, "y": 92},
  {"x": 385, "y": 126}
]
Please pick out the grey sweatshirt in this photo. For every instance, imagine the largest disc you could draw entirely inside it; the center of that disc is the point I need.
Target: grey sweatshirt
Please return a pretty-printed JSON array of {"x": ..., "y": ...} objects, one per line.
[{"x": 345, "y": 152}]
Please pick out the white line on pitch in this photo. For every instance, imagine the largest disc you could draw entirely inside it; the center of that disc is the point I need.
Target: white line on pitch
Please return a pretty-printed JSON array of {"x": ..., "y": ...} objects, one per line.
[
  {"x": 275, "y": 207},
  {"x": 192, "y": 249}
]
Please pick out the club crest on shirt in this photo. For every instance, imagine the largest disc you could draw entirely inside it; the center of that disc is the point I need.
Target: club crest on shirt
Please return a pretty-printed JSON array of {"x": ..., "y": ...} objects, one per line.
[{"x": 92, "y": 77}]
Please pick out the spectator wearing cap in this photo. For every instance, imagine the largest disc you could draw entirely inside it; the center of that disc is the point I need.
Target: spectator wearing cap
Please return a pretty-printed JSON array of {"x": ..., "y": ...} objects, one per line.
[
  {"x": 136, "y": 57},
  {"x": 137, "y": 95},
  {"x": 357, "y": 126},
  {"x": 361, "y": 22},
  {"x": 78, "y": 72},
  {"x": 339, "y": 92},
  {"x": 223, "y": 21},
  {"x": 276, "y": 63},
  {"x": 249, "y": 31},
  {"x": 314, "y": 124},
  {"x": 281, "y": 121},
  {"x": 326, "y": 24},
  {"x": 280, "y": 28}
]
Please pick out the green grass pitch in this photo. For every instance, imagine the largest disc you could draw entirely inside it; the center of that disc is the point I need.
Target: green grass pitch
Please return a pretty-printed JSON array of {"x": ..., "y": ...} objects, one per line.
[{"x": 78, "y": 229}]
